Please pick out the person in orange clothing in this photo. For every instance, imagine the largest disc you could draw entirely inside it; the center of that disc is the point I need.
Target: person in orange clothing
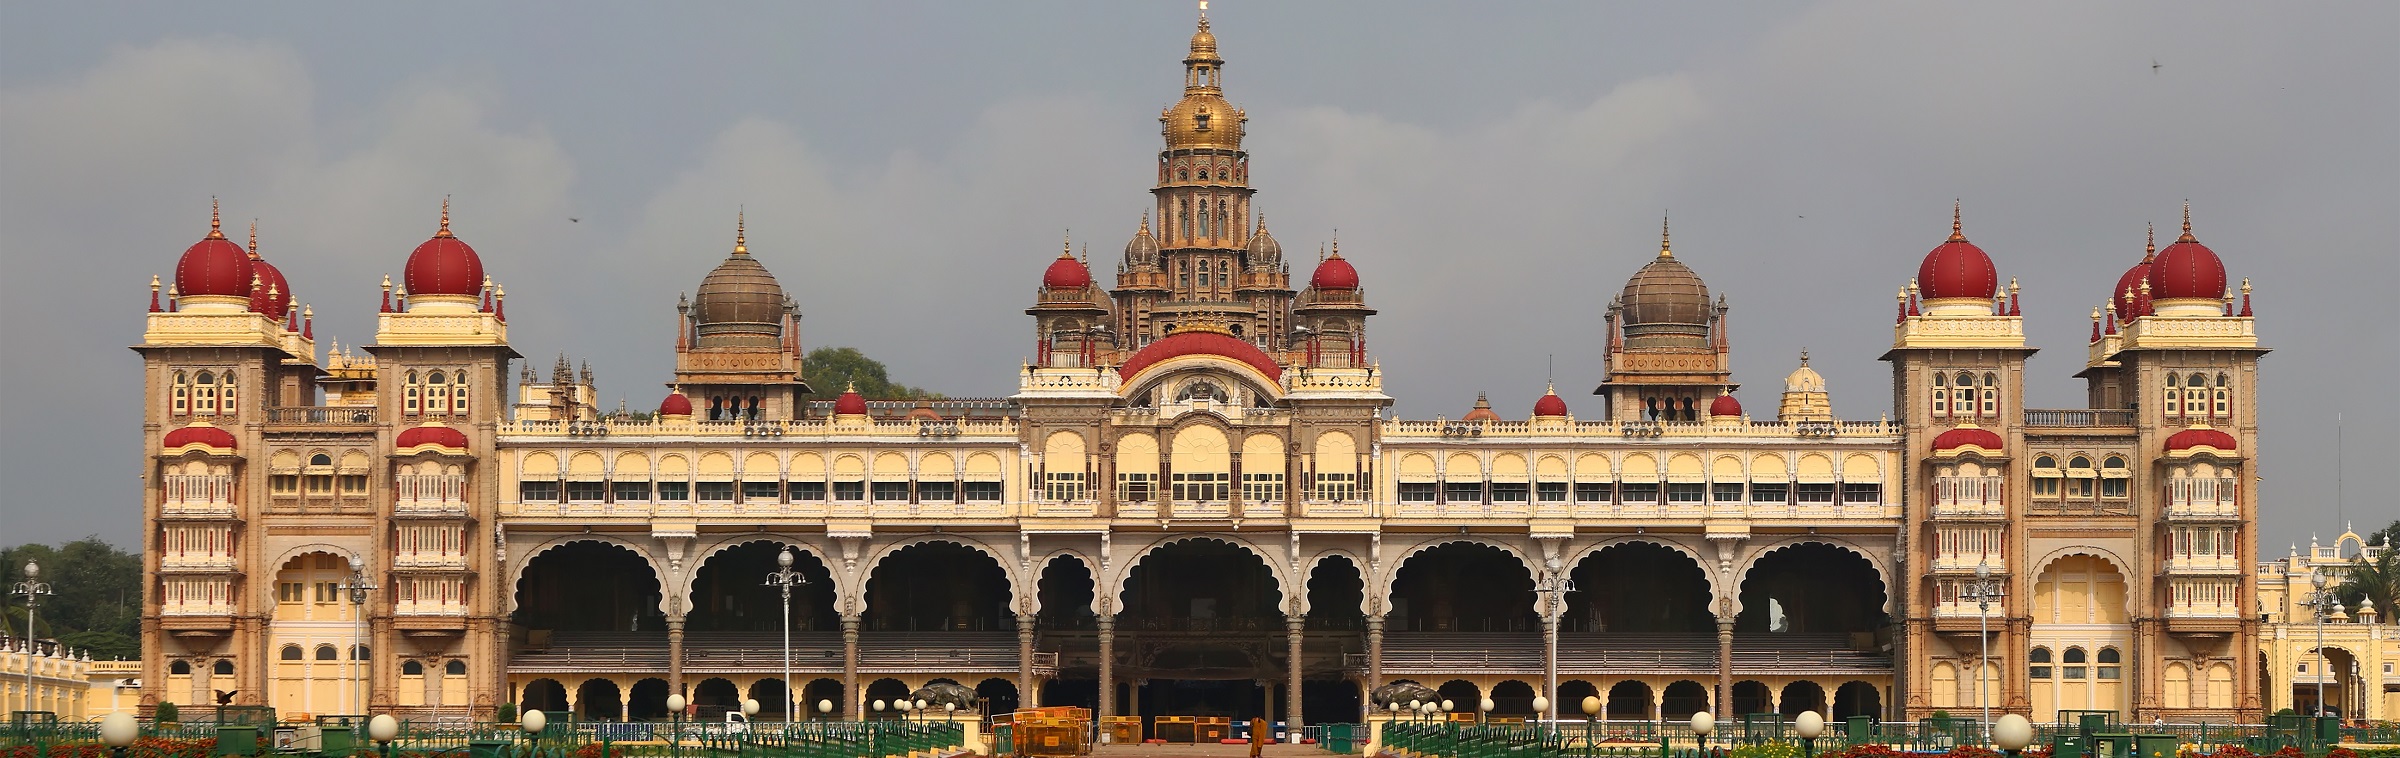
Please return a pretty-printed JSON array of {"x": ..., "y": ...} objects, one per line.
[{"x": 1258, "y": 736}]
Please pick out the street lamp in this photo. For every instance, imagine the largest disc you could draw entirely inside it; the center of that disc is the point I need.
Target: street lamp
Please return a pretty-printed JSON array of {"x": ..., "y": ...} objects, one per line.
[
  {"x": 34, "y": 590},
  {"x": 1553, "y": 589},
  {"x": 2012, "y": 734},
  {"x": 118, "y": 730},
  {"x": 383, "y": 729},
  {"x": 2321, "y": 604},
  {"x": 1483, "y": 709},
  {"x": 1702, "y": 724},
  {"x": 675, "y": 714},
  {"x": 1809, "y": 726},
  {"x": 825, "y": 708},
  {"x": 357, "y": 587},
  {"x": 1541, "y": 708},
  {"x": 784, "y": 579},
  {"x": 532, "y": 724},
  {"x": 1984, "y": 589}
]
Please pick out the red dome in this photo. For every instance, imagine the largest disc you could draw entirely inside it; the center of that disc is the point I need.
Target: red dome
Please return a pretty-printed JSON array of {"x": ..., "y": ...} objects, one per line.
[
  {"x": 1550, "y": 404},
  {"x": 1957, "y": 269},
  {"x": 1334, "y": 274},
  {"x": 444, "y": 265},
  {"x": 213, "y": 266},
  {"x": 1725, "y": 405},
  {"x": 2187, "y": 270},
  {"x": 2201, "y": 437},
  {"x": 675, "y": 405},
  {"x": 2131, "y": 296},
  {"x": 430, "y": 434},
  {"x": 199, "y": 434},
  {"x": 1968, "y": 436},
  {"x": 1066, "y": 273},
  {"x": 1200, "y": 343},
  {"x": 273, "y": 295},
  {"x": 850, "y": 404}
]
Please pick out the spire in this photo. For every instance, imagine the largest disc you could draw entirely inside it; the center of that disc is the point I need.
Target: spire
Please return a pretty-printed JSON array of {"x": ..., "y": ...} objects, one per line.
[
  {"x": 153, "y": 293},
  {"x": 1066, "y": 245},
  {"x": 1957, "y": 229},
  {"x": 2149, "y": 241},
  {"x": 741, "y": 234},
  {"x": 1804, "y": 357},
  {"x": 445, "y": 230},
  {"x": 254, "y": 239},
  {"x": 1666, "y": 247},
  {"x": 1146, "y": 223},
  {"x": 2187, "y": 223},
  {"x": 216, "y": 222}
]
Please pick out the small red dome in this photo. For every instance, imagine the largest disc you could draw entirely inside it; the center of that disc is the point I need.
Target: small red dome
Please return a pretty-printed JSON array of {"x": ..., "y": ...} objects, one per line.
[
  {"x": 850, "y": 404},
  {"x": 1334, "y": 274},
  {"x": 675, "y": 405},
  {"x": 273, "y": 295},
  {"x": 1725, "y": 405},
  {"x": 1200, "y": 343},
  {"x": 1968, "y": 436},
  {"x": 1957, "y": 269},
  {"x": 1066, "y": 273},
  {"x": 2131, "y": 296},
  {"x": 430, "y": 434},
  {"x": 2187, "y": 270},
  {"x": 1550, "y": 404},
  {"x": 199, "y": 434},
  {"x": 2201, "y": 437},
  {"x": 214, "y": 266},
  {"x": 444, "y": 265}
]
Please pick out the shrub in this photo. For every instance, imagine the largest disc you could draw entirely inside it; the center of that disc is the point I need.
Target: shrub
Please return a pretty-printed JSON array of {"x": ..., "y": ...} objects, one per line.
[
  {"x": 506, "y": 713},
  {"x": 166, "y": 713}
]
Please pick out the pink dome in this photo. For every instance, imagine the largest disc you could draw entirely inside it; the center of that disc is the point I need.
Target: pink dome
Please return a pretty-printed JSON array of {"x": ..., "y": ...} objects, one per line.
[
  {"x": 214, "y": 266},
  {"x": 201, "y": 434},
  {"x": 2187, "y": 270},
  {"x": 850, "y": 404},
  {"x": 430, "y": 434},
  {"x": 1957, "y": 269},
  {"x": 2200, "y": 437}
]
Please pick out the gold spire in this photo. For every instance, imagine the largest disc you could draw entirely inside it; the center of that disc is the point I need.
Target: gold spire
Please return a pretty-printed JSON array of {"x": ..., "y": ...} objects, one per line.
[
  {"x": 1145, "y": 223},
  {"x": 2187, "y": 223},
  {"x": 216, "y": 223},
  {"x": 1957, "y": 229},
  {"x": 741, "y": 233},
  {"x": 445, "y": 230},
  {"x": 1066, "y": 245},
  {"x": 1804, "y": 357},
  {"x": 254, "y": 239},
  {"x": 2149, "y": 241},
  {"x": 1666, "y": 247}
]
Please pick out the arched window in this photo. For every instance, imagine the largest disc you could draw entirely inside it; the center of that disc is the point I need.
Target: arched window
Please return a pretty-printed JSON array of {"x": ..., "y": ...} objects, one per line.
[
  {"x": 2108, "y": 668},
  {"x": 2079, "y": 477},
  {"x": 458, "y": 394},
  {"x": 1963, "y": 396},
  {"x": 223, "y": 668},
  {"x": 2079, "y": 462},
  {"x": 1205, "y": 229},
  {"x": 455, "y": 668},
  {"x": 410, "y": 394},
  {"x": 2113, "y": 461},
  {"x": 412, "y": 668},
  {"x": 437, "y": 393},
  {"x": 2224, "y": 400},
  {"x": 1991, "y": 394},
  {"x": 358, "y": 653},
  {"x": 2172, "y": 404},
  {"x": 290, "y": 653},
  {"x": 2044, "y": 461},
  {"x": 179, "y": 398},
  {"x": 204, "y": 394},
  {"x": 180, "y": 668},
  {"x": 2038, "y": 663},
  {"x": 1941, "y": 395},
  {"x": 320, "y": 459},
  {"x": 2195, "y": 395},
  {"x": 2074, "y": 660},
  {"x": 327, "y": 653}
]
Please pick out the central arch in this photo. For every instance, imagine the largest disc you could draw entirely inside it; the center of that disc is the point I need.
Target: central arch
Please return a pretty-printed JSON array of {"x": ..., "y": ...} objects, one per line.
[
  {"x": 1463, "y": 586},
  {"x": 1125, "y": 585},
  {"x": 1640, "y": 587},
  {"x": 938, "y": 585},
  {"x": 1205, "y": 615},
  {"x": 729, "y": 591}
]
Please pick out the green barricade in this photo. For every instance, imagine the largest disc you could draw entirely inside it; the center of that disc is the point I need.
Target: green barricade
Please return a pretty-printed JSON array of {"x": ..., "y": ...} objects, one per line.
[
  {"x": 2156, "y": 745},
  {"x": 1337, "y": 738},
  {"x": 237, "y": 740},
  {"x": 488, "y": 748},
  {"x": 2069, "y": 746}
]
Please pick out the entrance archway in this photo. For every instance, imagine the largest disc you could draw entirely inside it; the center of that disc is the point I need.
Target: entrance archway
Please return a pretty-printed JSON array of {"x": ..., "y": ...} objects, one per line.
[
  {"x": 1812, "y": 587},
  {"x": 1337, "y": 594},
  {"x": 1628, "y": 701},
  {"x": 730, "y": 594},
  {"x": 938, "y": 586},
  {"x": 1801, "y": 697},
  {"x": 1211, "y": 614},
  {"x": 889, "y": 692},
  {"x": 648, "y": 701},
  {"x": 1639, "y": 587},
  {"x": 773, "y": 699},
  {"x": 1066, "y": 590},
  {"x": 596, "y": 700},
  {"x": 818, "y": 692},
  {"x": 1464, "y": 587},
  {"x": 1512, "y": 699},
  {"x": 545, "y": 695},
  {"x": 589, "y": 586},
  {"x": 1752, "y": 696},
  {"x": 1855, "y": 698}
]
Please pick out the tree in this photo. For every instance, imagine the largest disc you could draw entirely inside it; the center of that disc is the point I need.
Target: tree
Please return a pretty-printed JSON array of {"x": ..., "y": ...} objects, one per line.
[
  {"x": 833, "y": 369},
  {"x": 97, "y": 595},
  {"x": 2386, "y": 537},
  {"x": 2372, "y": 578}
]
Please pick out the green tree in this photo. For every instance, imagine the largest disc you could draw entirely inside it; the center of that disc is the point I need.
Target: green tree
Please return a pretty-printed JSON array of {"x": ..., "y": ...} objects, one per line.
[
  {"x": 2386, "y": 537},
  {"x": 96, "y": 600},
  {"x": 2372, "y": 578},
  {"x": 833, "y": 369}
]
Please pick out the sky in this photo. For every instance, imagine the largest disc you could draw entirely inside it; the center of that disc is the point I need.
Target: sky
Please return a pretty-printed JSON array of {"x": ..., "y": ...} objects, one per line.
[{"x": 1494, "y": 171}]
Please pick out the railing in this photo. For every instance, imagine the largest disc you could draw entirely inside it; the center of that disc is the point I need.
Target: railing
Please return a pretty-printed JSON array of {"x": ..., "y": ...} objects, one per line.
[
  {"x": 323, "y": 415},
  {"x": 2078, "y": 417}
]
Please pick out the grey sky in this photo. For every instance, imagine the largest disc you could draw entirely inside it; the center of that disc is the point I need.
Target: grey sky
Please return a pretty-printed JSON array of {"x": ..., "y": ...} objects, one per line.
[{"x": 1496, "y": 173}]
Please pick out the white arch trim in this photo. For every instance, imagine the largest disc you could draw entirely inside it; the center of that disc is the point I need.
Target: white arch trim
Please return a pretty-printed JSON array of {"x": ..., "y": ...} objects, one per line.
[
  {"x": 266, "y": 589},
  {"x": 1308, "y": 575},
  {"x": 1016, "y": 584},
  {"x": 1883, "y": 571},
  {"x": 833, "y": 566},
  {"x": 1708, "y": 573},
  {"x": 1041, "y": 566},
  {"x": 1277, "y": 570},
  {"x": 516, "y": 571},
  {"x": 1391, "y": 575},
  {"x": 1208, "y": 361}
]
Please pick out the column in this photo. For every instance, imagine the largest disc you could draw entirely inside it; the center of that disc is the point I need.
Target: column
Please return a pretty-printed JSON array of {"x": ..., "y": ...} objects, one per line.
[
  {"x": 1550, "y": 656},
  {"x": 1725, "y": 663},
  {"x": 858, "y": 704},
  {"x": 435, "y": 677},
  {"x": 675, "y": 654},
  {"x": 1108, "y": 667},
  {"x": 1374, "y": 654},
  {"x": 1292, "y": 627},
  {"x": 1024, "y": 660}
]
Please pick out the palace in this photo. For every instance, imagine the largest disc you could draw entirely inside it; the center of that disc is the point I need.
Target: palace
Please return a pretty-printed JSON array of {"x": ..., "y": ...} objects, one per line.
[{"x": 1197, "y": 501}]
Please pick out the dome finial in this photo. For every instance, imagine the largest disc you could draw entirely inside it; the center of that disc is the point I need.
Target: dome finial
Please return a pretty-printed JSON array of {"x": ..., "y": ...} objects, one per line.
[
  {"x": 1066, "y": 245},
  {"x": 741, "y": 231},
  {"x": 254, "y": 239},
  {"x": 1804, "y": 357},
  {"x": 2149, "y": 242},
  {"x": 1957, "y": 228},
  {"x": 216, "y": 222},
  {"x": 1203, "y": 14},
  {"x": 1666, "y": 247},
  {"x": 2187, "y": 223},
  {"x": 445, "y": 230},
  {"x": 1146, "y": 223}
]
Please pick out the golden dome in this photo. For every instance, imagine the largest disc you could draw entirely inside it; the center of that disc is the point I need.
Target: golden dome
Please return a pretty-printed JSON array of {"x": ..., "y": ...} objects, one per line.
[
  {"x": 1804, "y": 379},
  {"x": 1665, "y": 304},
  {"x": 739, "y": 304},
  {"x": 1202, "y": 119}
]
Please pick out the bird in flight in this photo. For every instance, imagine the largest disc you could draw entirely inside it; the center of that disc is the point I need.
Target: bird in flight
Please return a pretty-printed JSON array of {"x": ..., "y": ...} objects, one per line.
[
  {"x": 574, "y": 220},
  {"x": 2154, "y": 66}
]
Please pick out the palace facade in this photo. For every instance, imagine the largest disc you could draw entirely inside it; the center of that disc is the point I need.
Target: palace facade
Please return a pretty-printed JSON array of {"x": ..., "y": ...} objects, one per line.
[{"x": 1197, "y": 501}]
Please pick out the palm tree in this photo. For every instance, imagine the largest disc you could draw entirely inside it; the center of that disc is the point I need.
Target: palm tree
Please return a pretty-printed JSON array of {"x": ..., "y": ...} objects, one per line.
[{"x": 2373, "y": 578}]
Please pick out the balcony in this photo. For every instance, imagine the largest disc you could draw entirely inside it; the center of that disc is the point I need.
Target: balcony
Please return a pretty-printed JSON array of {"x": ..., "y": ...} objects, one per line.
[
  {"x": 430, "y": 561},
  {"x": 322, "y": 416},
  {"x": 2078, "y": 418},
  {"x": 196, "y": 562},
  {"x": 1969, "y": 496}
]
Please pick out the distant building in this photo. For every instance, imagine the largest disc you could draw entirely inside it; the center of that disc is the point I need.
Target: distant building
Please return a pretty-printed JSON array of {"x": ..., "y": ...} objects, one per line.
[{"x": 2361, "y": 643}]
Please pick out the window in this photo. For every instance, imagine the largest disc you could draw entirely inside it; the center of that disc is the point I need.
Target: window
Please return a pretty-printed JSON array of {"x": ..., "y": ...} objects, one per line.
[
  {"x": 585, "y": 492},
  {"x": 1510, "y": 492},
  {"x": 284, "y": 484},
  {"x": 850, "y": 491},
  {"x": 223, "y": 668},
  {"x": 204, "y": 394},
  {"x": 437, "y": 393},
  {"x": 1726, "y": 492},
  {"x": 1941, "y": 395},
  {"x": 1770, "y": 492},
  {"x": 2040, "y": 660},
  {"x": 2108, "y": 660},
  {"x": 1856, "y": 492},
  {"x": 802, "y": 492},
  {"x": 676, "y": 492},
  {"x": 327, "y": 653},
  {"x": 2079, "y": 487},
  {"x": 290, "y": 592},
  {"x": 1815, "y": 493},
  {"x": 179, "y": 397},
  {"x": 412, "y": 668},
  {"x": 1268, "y": 487},
  {"x": 1590, "y": 492},
  {"x": 411, "y": 394},
  {"x": 983, "y": 492},
  {"x": 2074, "y": 659},
  {"x": 1686, "y": 492},
  {"x": 937, "y": 492},
  {"x": 763, "y": 491},
  {"x": 891, "y": 492},
  {"x": 455, "y": 668},
  {"x": 352, "y": 484},
  {"x": 1136, "y": 488},
  {"x": 1462, "y": 492},
  {"x": 180, "y": 668},
  {"x": 290, "y": 653},
  {"x": 714, "y": 492},
  {"x": 537, "y": 492},
  {"x": 1203, "y": 487},
  {"x": 1638, "y": 492},
  {"x": 1416, "y": 492},
  {"x": 1991, "y": 395},
  {"x": 458, "y": 394},
  {"x": 632, "y": 492},
  {"x": 2115, "y": 487},
  {"x": 1550, "y": 492},
  {"x": 1067, "y": 486},
  {"x": 358, "y": 653},
  {"x": 2224, "y": 395}
]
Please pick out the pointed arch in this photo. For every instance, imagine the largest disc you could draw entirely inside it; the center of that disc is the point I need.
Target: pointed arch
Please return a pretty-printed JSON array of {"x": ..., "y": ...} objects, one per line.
[
  {"x": 518, "y": 564},
  {"x": 1277, "y": 570}
]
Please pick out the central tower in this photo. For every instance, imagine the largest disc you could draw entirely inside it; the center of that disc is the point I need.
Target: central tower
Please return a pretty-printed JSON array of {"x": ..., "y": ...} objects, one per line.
[{"x": 1207, "y": 261}]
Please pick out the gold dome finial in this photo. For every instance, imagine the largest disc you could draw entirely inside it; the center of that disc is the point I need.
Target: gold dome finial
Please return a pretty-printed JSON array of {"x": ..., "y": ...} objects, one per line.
[
  {"x": 1804, "y": 357},
  {"x": 1066, "y": 245},
  {"x": 216, "y": 222},
  {"x": 741, "y": 231},
  {"x": 1145, "y": 223},
  {"x": 254, "y": 239},
  {"x": 1666, "y": 247},
  {"x": 1957, "y": 228},
  {"x": 2187, "y": 223},
  {"x": 445, "y": 230},
  {"x": 2149, "y": 241}
]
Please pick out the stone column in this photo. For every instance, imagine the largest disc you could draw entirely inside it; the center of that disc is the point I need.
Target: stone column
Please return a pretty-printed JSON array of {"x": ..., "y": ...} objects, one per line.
[
  {"x": 675, "y": 654},
  {"x": 1550, "y": 656},
  {"x": 1293, "y": 626},
  {"x": 858, "y": 703},
  {"x": 1024, "y": 660},
  {"x": 1374, "y": 654},
  {"x": 1725, "y": 665},
  {"x": 1108, "y": 667}
]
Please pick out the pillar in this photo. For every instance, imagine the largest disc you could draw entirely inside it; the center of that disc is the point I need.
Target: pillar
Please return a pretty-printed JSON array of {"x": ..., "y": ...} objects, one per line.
[
  {"x": 1293, "y": 626},
  {"x": 858, "y": 703},
  {"x": 1550, "y": 656},
  {"x": 1108, "y": 667},
  {"x": 1725, "y": 664},
  {"x": 1374, "y": 654},
  {"x": 675, "y": 654},
  {"x": 1025, "y": 684}
]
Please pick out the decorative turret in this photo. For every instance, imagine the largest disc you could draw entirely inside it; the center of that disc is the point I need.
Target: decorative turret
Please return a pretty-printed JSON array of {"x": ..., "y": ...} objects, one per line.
[
  {"x": 1667, "y": 353},
  {"x": 737, "y": 346},
  {"x": 1070, "y": 316},
  {"x": 1804, "y": 395}
]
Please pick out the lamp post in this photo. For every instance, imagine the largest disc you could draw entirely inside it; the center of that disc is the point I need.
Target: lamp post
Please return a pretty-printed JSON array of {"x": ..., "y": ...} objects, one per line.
[
  {"x": 1984, "y": 589},
  {"x": 34, "y": 590},
  {"x": 383, "y": 729},
  {"x": 2012, "y": 734},
  {"x": 532, "y": 723},
  {"x": 1809, "y": 726},
  {"x": 825, "y": 708},
  {"x": 675, "y": 715},
  {"x": 1703, "y": 723},
  {"x": 118, "y": 730},
  {"x": 784, "y": 579},
  {"x": 1541, "y": 708},
  {"x": 1483, "y": 710},
  {"x": 1591, "y": 711},
  {"x": 357, "y": 587},
  {"x": 1553, "y": 589},
  {"x": 2321, "y": 604}
]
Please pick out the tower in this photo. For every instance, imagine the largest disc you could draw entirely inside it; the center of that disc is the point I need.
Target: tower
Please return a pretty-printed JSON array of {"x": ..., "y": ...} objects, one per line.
[
  {"x": 1070, "y": 316},
  {"x": 1804, "y": 396},
  {"x": 1667, "y": 355},
  {"x": 737, "y": 342}
]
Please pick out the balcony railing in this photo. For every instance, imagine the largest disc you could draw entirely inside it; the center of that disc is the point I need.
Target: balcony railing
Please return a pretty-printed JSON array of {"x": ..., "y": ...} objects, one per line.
[
  {"x": 2078, "y": 417},
  {"x": 322, "y": 415}
]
